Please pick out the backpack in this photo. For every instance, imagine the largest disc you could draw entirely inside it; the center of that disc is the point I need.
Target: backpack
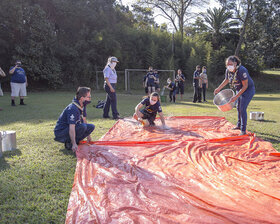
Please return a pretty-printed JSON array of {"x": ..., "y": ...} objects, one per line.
[{"x": 100, "y": 104}]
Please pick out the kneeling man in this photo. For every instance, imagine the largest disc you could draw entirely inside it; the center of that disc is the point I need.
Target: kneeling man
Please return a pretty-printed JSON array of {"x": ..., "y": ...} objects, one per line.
[{"x": 72, "y": 126}]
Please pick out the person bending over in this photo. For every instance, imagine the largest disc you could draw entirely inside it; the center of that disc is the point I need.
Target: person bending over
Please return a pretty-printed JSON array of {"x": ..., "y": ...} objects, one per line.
[
  {"x": 172, "y": 90},
  {"x": 72, "y": 126},
  {"x": 148, "y": 115}
]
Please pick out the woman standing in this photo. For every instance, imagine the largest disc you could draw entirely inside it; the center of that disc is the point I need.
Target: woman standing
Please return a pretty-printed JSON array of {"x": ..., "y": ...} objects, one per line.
[
  {"x": 203, "y": 82},
  {"x": 180, "y": 80},
  {"x": 110, "y": 77},
  {"x": 238, "y": 77}
]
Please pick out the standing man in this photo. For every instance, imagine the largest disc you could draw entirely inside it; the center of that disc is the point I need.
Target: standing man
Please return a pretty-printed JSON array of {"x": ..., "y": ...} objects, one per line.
[
  {"x": 110, "y": 84},
  {"x": 18, "y": 83},
  {"x": 2, "y": 74},
  {"x": 180, "y": 79},
  {"x": 72, "y": 126},
  {"x": 196, "y": 93}
]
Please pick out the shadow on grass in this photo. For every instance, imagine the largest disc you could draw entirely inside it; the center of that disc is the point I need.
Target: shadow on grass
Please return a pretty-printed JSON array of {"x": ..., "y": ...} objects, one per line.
[
  {"x": 8, "y": 154},
  {"x": 268, "y": 137},
  {"x": 268, "y": 98},
  {"x": 268, "y": 121}
]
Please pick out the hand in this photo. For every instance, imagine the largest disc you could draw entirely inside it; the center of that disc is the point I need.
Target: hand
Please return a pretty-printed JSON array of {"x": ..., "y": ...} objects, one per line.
[
  {"x": 89, "y": 139},
  {"x": 74, "y": 147},
  {"x": 112, "y": 90},
  {"x": 216, "y": 91},
  {"x": 26, "y": 84},
  {"x": 233, "y": 99}
]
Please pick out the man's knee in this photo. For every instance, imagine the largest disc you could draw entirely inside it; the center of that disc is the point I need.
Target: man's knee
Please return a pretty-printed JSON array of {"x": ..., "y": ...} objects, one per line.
[{"x": 90, "y": 127}]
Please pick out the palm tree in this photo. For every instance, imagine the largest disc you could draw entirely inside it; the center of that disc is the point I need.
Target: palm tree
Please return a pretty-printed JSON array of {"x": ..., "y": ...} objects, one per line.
[{"x": 219, "y": 22}]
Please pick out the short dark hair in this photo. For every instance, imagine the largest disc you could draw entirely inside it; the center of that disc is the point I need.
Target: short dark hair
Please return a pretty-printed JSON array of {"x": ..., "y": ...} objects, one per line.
[
  {"x": 233, "y": 58},
  {"x": 82, "y": 92}
]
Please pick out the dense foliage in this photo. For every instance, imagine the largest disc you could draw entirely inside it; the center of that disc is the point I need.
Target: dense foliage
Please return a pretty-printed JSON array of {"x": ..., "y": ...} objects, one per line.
[{"x": 63, "y": 42}]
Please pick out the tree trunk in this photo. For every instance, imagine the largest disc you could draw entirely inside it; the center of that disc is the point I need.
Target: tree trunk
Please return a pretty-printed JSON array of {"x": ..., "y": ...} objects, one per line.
[{"x": 241, "y": 38}]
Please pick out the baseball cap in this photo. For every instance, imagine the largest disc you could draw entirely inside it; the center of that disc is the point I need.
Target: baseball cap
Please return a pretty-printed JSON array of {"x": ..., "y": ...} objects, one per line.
[{"x": 114, "y": 59}]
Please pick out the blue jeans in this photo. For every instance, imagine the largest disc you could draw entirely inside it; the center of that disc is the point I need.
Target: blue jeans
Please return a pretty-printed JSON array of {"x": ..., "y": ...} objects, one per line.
[
  {"x": 111, "y": 99},
  {"x": 242, "y": 104},
  {"x": 82, "y": 130}
]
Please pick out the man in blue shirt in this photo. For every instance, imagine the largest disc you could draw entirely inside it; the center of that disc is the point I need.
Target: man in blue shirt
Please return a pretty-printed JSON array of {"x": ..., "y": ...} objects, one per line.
[
  {"x": 197, "y": 91},
  {"x": 72, "y": 126},
  {"x": 18, "y": 83}
]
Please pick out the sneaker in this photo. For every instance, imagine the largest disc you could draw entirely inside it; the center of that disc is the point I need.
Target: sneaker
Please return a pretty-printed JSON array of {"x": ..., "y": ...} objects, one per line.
[
  {"x": 68, "y": 145},
  {"x": 242, "y": 133},
  {"x": 236, "y": 128}
]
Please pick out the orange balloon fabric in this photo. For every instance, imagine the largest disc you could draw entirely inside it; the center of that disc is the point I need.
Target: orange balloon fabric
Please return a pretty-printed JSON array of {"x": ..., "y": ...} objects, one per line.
[{"x": 198, "y": 171}]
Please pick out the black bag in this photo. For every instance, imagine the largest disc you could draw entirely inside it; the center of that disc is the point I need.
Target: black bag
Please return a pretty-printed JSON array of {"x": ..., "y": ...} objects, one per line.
[{"x": 100, "y": 104}]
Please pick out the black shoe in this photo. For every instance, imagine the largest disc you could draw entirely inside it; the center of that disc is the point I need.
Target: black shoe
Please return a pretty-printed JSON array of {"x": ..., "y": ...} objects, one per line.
[
  {"x": 199, "y": 102},
  {"x": 205, "y": 101},
  {"x": 236, "y": 128},
  {"x": 117, "y": 117},
  {"x": 68, "y": 145},
  {"x": 23, "y": 104},
  {"x": 13, "y": 103},
  {"x": 106, "y": 116},
  {"x": 194, "y": 101}
]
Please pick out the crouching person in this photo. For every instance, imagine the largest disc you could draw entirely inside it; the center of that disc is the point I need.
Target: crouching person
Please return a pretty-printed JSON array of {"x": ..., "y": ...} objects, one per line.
[
  {"x": 148, "y": 115},
  {"x": 72, "y": 126}
]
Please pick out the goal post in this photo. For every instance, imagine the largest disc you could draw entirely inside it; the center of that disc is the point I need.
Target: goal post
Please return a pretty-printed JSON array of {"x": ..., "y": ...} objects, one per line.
[{"x": 134, "y": 77}]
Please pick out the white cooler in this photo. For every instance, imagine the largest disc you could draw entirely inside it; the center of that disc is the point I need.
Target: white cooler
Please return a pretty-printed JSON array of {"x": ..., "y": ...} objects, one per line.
[
  {"x": 8, "y": 141},
  {"x": 258, "y": 116}
]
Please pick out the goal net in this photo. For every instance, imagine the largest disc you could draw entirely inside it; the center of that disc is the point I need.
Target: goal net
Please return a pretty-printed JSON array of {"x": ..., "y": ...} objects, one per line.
[{"x": 134, "y": 78}]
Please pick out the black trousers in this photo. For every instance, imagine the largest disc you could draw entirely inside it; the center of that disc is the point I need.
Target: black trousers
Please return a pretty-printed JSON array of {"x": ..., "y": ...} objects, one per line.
[
  {"x": 111, "y": 100},
  {"x": 196, "y": 94}
]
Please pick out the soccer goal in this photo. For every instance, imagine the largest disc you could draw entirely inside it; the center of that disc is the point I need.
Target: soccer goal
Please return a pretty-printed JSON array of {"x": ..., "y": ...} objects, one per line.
[{"x": 134, "y": 78}]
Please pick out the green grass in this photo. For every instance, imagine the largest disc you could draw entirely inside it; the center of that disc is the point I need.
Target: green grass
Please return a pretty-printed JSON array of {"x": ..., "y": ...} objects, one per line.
[{"x": 36, "y": 179}]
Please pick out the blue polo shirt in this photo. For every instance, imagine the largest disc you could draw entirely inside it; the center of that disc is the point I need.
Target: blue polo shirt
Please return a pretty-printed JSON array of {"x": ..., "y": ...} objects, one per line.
[
  {"x": 172, "y": 86},
  {"x": 18, "y": 76},
  {"x": 196, "y": 81},
  {"x": 235, "y": 79},
  {"x": 111, "y": 74},
  {"x": 151, "y": 109},
  {"x": 151, "y": 80},
  {"x": 180, "y": 82},
  {"x": 70, "y": 115}
]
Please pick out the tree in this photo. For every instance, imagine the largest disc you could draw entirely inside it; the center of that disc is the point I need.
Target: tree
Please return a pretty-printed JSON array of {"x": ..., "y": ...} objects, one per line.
[
  {"x": 242, "y": 11},
  {"x": 218, "y": 21},
  {"x": 176, "y": 11}
]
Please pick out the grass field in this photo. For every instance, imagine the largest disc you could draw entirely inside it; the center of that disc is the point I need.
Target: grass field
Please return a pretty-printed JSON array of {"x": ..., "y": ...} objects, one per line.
[{"x": 36, "y": 179}]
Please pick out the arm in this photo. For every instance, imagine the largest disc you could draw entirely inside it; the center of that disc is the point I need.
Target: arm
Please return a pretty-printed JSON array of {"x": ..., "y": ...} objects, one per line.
[
  {"x": 162, "y": 118},
  {"x": 224, "y": 83},
  {"x": 2, "y": 73},
  {"x": 243, "y": 89},
  {"x": 72, "y": 134},
  {"x": 109, "y": 84},
  {"x": 12, "y": 70},
  {"x": 137, "y": 110}
]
